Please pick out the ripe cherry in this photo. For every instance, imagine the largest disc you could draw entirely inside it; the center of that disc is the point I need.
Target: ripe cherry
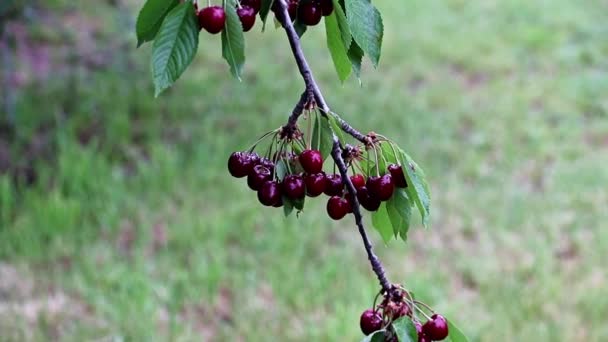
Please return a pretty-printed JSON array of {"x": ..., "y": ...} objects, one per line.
[
  {"x": 292, "y": 8},
  {"x": 258, "y": 176},
  {"x": 309, "y": 13},
  {"x": 358, "y": 181},
  {"x": 212, "y": 19},
  {"x": 315, "y": 184},
  {"x": 269, "y": 164},
  {"x": 312, "y": 161},
  {"x": 241, "y": 163},
  {"x": 333, "y": 185},
  {"x": 436, "y": 328},
  {"x": 381, "y": 187},
  {"x": 366, "y": 200},
  {"x": 255, "y": 4},
  {"x": 327, "y": 7},
  {"x": 421, "y": 336},
  {"x": 349, "y": 200},
  {"x": 337, "y": 207},
  {"x": 370, "y": 321},
  {"x": 247, "y": 16},
  {"x": 270, "y": 194},
  {"x": 293, "y": 187},
  {"x": 397, "y": 174}
]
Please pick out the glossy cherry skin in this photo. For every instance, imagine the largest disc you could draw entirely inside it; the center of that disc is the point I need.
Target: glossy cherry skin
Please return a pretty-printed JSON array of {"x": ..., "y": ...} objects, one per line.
[
  {"x": 327, "y": 7},
  {"x": 270, "y": 194},
  {"x": 421, "y": 336},
  {"x": 212, "y": 19},
  {"x": 358, "y": 181},
  {"x": 370, "y": 321},
  {"x": 337, "y": 207},
  {"x": 247, "y": 16},
  {"x": 333, "y": 185},
  {"x": 240, "y": 164},
  {"x": 269, "y": 164},
  {"x": 292, "y": 8},
  {"x": 436, "y": 328},
  {"x": 255, "y": 4},
  {"x": 258, "y": 176},
  {"x": 294, "y": 187},
  {"x": 398, "y": 176},
  {"x": 381, "y": 187},
  {"x": 311, "y": 161},
  {"x": 366, "y": 200},
  {"x": 315, "y": 184},
  {"x": 309, "y": 13}
]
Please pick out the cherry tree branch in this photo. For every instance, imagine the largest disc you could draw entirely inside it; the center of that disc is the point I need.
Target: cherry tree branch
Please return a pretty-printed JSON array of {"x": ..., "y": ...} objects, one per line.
[{"x": 313, "y": 92}]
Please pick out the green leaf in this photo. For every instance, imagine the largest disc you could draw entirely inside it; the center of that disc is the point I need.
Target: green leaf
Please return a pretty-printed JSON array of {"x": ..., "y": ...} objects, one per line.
[
  {"x": 347, "y": 38},
  {"x": 355, "y": 54},
  {"x": 399, "y": 209},
  {"x": 299, "y": 203},
  {"x": 405, "y": 330},
  {"x": 366, "y": 27},
  {"x": 287, "y": 207},
  {"x": 376, "y": 336},
  {"x": 325, "y": 142},
  {"x": 174, "y": 46},
  {"x": 333, "y": 122},
  {"x": 151, "y": 17},
  {"x": 389, "y": 152},
  {"x": 455, "y": 334},
  {"x": 382, "y": 223},
  {"x": 336, "y": 47},
  {"x": 281, "y": 169},
  {"x": 417, "y": 188},
  {"x": 300, "y": 27},
  {"x": 233, "y": 42},
  {"x": 264, "y": 10}
]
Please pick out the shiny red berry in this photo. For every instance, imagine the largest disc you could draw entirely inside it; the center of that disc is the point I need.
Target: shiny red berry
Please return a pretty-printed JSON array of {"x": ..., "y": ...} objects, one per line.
[
  {"x": 269, "y": 164},
  {"x": 315, "y": 184},
  {"x": 421, "y": 336},
  {"x": 398, "y": 176},
  {"x": 337, "y": 207},
  {"x": 436, "y": 328},
  {"x": 358, "y": 181},
  {"x": 333, "y": 185},
  {"x": 292, "y": 8},
  {"x": 327, "y": 7},
  {"x": 311, "y": 161},
  {"x": 293, "y": 187},
  {"x": 212, "y": 19},
  {"x": 381, "y": 187},
  {"x": 270, "y": 194},
  {"x": 240, "y": 164},
  {"x": 258, "y": 176},
  {"x": 367, "y": 201},
  {"x": 255, "y": 4},
  {"x": 309, "y": 13},
  {"x": 247, "y": 16},
  {"x": 370, "y": 321}
]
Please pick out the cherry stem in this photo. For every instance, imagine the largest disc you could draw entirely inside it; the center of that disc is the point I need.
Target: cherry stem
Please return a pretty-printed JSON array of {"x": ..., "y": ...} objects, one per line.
[{"x": 376, "y": 158}]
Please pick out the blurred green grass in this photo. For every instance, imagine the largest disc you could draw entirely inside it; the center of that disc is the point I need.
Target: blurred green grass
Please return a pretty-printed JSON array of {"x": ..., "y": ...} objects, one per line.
[{"x": 145, "y": 236}]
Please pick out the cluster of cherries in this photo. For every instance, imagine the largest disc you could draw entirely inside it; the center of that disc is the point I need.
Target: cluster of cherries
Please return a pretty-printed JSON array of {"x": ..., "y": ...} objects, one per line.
[
  {"x": 309, "y": 12},
  {"x": 394, "y": 307},
  {"x": 213, "y": 18},
  {"x": 313, "y": 182}
]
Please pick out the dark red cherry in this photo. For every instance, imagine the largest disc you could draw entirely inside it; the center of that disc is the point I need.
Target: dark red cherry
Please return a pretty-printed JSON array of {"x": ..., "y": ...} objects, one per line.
[
  {"x": 212, "y": 19},
  {"x": 381, "y": 187},
  {"x": 421, "y": 336},
  {"x": 327, "y": 7},
  {"x": 255, "y": 4},
  {"x": 293, "y": 187},
  {"x": 247, "y": 16},
  {"x": 240, "y": 164},
  {"x": 333, "y": 185},
  {"x": 337, "y": 207},
  {"x": 315, "y": 184},
  {"x": 309, "y": 13},
  {"x": 398, "y": 176},
  {"x": 292, "y": 8},
  {"x": 436, "y": 328},
  {"x": 349, "y": 201},
  {"x": 366, "y": 200},
  {"x": 279, "y": 203},
  {"x": 358, "y": 181},
  {"x": 312, "y": 161},
  {"x": 370, "y": 321},
  {"x": 270, "y": 194},
  {"x": 258, "y": 176}
]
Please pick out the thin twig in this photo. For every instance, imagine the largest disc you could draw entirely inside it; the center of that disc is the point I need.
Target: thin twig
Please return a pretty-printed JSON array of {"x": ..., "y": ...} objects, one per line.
[{"x": 311, "y": 86}]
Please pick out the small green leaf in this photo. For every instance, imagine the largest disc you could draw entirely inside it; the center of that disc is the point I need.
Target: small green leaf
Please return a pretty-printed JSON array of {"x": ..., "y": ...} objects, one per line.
[
  {"x": 300, "y": 27},
  {"x": 233, "y": 42},
  {"x": 174, "y": 46},
  {"x": 264, "y": 10},
  {"x": 366, "y": 27},
  {"x": 299, "y": 203},
  {"x": 150, "y": 19},
  {"x": 287, "y": 207},
  {"x": 333, "y": 122},
  {"x": 389, "y": 152},
  {"x": 455, "y": 334},
  {"x": 382, "y": 223},
  {"x": 281, "y": 169},
  {"x": 336, "y": 47},
  {"x": 405, "y": 330},
  {"x": 402, "y": 205},
  {"x": 417, "y": 188},
  {"x": 347, "y": 38},
  {"x": 325, "y": 142},
  {"x": 376, "y": 336},
  {"x": 355, "y": 54}
]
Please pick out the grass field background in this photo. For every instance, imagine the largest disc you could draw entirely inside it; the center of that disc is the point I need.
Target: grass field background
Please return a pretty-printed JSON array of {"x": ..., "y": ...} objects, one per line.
[{"x": 134, "y": 230}]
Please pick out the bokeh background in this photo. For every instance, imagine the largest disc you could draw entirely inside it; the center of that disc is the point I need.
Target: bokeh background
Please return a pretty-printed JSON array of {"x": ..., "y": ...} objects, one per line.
[{"x": 119, "y": 221}]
